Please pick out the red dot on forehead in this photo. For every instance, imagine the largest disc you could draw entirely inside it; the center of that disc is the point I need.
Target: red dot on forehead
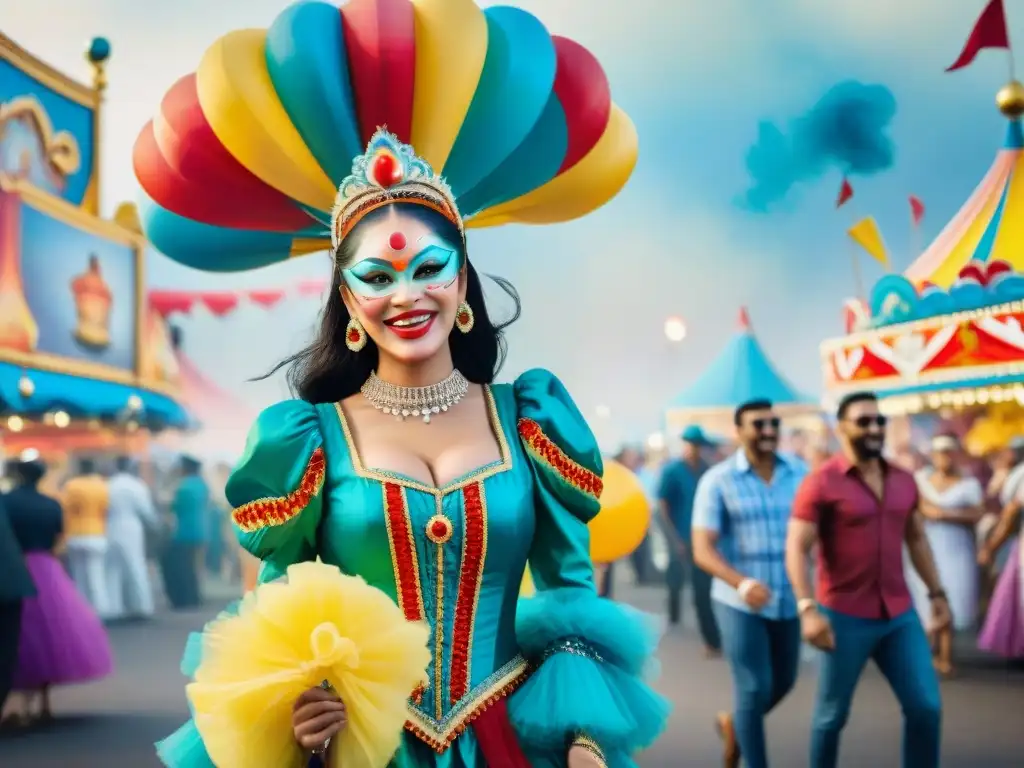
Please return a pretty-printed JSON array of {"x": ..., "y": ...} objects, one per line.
[{"x": 397, "y": 241}]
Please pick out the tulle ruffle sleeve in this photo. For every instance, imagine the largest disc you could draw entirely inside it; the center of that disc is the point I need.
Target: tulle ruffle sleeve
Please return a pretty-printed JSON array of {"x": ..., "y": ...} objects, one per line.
[
  {"x": 276, "y": 489},
  {"x": 591, "y": 655}
]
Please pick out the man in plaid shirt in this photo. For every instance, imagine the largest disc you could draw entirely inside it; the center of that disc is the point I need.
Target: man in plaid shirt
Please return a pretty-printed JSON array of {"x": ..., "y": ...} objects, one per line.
[{"x": 740, "y": 516}]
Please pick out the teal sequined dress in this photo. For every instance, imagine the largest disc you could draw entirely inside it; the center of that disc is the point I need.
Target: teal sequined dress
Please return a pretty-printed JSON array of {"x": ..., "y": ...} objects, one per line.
[{"x": 565, "y": 665}]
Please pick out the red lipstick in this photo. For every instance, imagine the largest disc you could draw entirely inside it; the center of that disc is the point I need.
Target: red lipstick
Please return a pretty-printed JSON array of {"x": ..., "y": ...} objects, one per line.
[{"x": 411, "y": 325}]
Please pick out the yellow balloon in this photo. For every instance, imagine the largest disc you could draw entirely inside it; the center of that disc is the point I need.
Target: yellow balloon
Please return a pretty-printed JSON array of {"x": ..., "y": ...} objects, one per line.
[
  {"x": 451, "y": 45},
  {"x": 242, "y": 107},
  {"x": 588, "y": 185},
  {"x": 622, "y": 523}
]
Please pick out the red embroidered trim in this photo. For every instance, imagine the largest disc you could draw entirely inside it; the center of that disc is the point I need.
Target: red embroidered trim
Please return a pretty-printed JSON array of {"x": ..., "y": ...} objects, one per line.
[
  {"x": 263, "y": 513},
  {"x": 542, "y": 447},
  {"x": 474, "y": 550},
  {"x": 403, "y": 552},
  {"x": 441, "y": 746}
]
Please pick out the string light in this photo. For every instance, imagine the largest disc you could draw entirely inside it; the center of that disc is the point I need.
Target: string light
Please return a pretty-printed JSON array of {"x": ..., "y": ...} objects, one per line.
[
  {"x": 61, "y": 419},
  {"x": 656, "y": 441},
  {"x": 675, "y": 329},
  {"x": 15, "y": 423},
  {"x": 954, "y": 398}
]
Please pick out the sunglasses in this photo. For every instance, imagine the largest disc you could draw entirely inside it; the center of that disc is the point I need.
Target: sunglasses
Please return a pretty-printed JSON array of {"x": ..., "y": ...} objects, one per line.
[
  {"x": 763, "y": 424},
  {"x": 863, "y": 422}
]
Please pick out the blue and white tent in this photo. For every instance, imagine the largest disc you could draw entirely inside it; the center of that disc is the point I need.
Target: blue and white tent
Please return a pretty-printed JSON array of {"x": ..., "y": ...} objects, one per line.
[{"x": 742, "y": 372}]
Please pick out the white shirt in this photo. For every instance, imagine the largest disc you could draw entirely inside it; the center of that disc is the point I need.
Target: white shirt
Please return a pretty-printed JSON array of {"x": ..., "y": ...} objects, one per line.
[
  {"x": 1013, "y": 486},
  {"x": 130, "y": 502}
]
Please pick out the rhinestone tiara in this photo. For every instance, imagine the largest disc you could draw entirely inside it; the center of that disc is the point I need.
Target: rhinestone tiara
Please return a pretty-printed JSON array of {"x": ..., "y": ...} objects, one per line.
[{"x": 389, "y": 172}]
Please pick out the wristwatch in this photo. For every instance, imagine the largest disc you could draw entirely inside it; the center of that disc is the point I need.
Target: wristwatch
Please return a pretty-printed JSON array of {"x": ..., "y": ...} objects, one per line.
[
  {"x": 937, "y": 594},
  {"x": 805, "y": 604}
]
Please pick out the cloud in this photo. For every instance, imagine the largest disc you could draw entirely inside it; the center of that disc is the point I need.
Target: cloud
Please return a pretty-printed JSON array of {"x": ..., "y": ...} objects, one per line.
[{"x": 845, "y": 131}]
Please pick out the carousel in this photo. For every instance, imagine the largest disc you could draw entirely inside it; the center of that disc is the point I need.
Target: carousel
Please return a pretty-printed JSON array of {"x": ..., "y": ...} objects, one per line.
[
  {"x": 944, "y": 340},
  {"x": 741, "y": 372},
  {"x": 85, "y": 366}
]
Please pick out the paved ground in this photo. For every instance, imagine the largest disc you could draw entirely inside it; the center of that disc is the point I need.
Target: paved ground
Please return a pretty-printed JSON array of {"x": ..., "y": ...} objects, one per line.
[{"x": 114, "y": 723}]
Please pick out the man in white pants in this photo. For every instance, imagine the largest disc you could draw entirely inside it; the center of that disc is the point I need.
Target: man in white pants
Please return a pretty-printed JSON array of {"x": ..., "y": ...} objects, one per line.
[
  {"x": 131, "y": 511},
  {"x": 86, "y": 501}
]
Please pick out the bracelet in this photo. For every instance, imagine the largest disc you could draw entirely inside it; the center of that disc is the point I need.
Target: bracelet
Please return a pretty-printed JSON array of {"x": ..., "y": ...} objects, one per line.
[
  {"x": 585, "y": 742},
  {"x": 937, "y": 594},
  {"x": 745, "y": 586},
  {"x": 804, "y": 605}
]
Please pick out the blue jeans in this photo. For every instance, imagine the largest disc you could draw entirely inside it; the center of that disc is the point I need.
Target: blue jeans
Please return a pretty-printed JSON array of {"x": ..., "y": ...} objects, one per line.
[
  {"x": 901, "y": 650},
  {"x": 764, "y": 656}
]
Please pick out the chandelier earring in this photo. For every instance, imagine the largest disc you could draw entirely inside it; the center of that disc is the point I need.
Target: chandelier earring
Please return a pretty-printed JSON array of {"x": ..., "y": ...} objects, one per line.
[
  {"x": 464, "y": 318},
  {"x": 355, "y": 335}
]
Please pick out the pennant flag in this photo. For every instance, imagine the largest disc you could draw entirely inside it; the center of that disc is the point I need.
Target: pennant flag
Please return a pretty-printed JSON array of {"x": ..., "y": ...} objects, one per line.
[
  {"x": 845, "y": 193},
  {"x": 989, "y": 32},
  {"x": 916, "y": 209},
  {"x": 865, "y": 233}
]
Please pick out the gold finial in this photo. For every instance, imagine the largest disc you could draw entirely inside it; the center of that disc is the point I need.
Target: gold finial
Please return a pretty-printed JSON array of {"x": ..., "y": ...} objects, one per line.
[
  {"x": 98, "y": 53},
  {"x": 1010, "y": 99},
  {"x": 127, "y": 215}
]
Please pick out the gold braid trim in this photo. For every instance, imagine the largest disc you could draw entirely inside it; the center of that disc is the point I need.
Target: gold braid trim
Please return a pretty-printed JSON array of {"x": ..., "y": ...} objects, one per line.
[
  {"x": 267, "y": 512},
  {"x": 585, "y": 742},
  {"x": 546, "y": 451}
]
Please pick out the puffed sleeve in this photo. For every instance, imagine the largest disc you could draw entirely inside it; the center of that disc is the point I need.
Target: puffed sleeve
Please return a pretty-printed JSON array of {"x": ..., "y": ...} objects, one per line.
[
  {"x": 276, "y": 492},
  {"x": 276, "y": 489},
  {"x": 591, "y": 655}
]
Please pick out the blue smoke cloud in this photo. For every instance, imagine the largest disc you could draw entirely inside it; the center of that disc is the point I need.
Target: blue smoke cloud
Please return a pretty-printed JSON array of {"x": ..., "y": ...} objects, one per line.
[{"x": 846, "y": 131}]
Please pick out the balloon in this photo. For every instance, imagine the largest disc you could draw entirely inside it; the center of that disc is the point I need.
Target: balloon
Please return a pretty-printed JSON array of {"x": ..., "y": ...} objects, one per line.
[
  {"x": 517, "y": 78},
  {"x": 241, "y": 163},
  {"x": 380, "y": 38},
  {"x": 242, "y": 107},
  {"x": 622, "y": 523},
  {"x": 588, "y": 185},
  {"x": 308, "y": 68},
  {"x": 183, "y": 166},
  {"x": 451, "y": 44}
]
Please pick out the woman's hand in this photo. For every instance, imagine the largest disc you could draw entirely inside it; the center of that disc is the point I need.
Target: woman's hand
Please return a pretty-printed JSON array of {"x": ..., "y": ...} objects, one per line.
[
  {"x": 318, "y": 715},
  {"x": 581, "y": 757}
]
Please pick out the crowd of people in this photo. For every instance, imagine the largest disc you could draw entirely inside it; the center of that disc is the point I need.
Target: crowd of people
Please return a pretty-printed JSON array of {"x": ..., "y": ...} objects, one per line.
[
  {"x": 884, "y": 558},
  {"x": 93, "y": 547}
]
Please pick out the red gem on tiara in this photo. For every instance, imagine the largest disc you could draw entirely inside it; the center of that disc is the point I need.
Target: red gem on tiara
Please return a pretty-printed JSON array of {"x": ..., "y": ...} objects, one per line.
[
  {"x": 397, "y": 241},
  {"x": 386, "y": 170}
]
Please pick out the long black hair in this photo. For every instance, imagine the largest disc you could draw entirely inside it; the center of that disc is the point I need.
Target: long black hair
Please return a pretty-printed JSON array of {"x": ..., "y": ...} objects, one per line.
[{"x": 327, "y": 371}]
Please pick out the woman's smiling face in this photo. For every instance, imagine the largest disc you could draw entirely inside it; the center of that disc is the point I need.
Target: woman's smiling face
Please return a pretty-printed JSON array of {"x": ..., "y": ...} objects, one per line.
[{"x": 404, "y": 284}]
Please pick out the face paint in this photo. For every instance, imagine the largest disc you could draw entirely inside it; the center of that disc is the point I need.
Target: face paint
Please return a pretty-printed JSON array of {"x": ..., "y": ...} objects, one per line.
[{"x": 434, "y": 268}]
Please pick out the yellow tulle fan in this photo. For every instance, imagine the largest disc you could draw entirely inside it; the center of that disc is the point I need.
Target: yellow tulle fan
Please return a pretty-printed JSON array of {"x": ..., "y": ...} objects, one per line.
[{"x": 290, "y": 636}]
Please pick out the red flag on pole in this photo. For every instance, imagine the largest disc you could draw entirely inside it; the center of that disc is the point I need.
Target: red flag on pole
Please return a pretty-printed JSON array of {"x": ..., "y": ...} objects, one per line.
[
  {"x": 916, "y": 209},
  {"x": 989, "y": 32},
  {"x": 845, "y": 193}
]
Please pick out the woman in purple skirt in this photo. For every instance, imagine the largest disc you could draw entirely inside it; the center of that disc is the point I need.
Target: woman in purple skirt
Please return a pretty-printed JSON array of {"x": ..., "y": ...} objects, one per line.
[
  {"x": 1003, "y": 631},
  {"x": 62, "y": 640}
]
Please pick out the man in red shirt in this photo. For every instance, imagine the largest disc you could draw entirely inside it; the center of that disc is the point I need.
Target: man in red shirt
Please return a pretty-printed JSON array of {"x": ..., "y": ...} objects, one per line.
[{"x": 860, "y": 510}]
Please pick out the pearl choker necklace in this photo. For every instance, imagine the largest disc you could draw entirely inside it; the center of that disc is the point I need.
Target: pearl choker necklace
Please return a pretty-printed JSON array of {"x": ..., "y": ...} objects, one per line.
[{"x": 424, "y": 402}]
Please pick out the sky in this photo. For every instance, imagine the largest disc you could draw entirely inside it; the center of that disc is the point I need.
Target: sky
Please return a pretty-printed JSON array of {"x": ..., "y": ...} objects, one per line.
[{"x": 697, "y": 78}]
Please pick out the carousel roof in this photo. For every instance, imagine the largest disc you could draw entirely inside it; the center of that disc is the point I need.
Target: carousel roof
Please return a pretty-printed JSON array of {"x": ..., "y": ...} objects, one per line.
[
  {"x": 990, "y": 225},
  {"x": 82, "y": 397},
  {"x": 742, "y": 372}
]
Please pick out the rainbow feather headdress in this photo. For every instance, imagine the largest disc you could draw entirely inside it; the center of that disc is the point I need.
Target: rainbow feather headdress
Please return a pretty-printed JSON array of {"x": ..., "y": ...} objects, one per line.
[
  {"x": 389, "y": 171},
  {"x": 249, "y": 160}
]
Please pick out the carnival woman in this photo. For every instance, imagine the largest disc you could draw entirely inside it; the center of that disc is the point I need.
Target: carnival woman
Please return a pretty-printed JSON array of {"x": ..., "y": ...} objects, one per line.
[
  {"x": 952, "y": 503},
  {"x": 400, "y": 460},
  {"x": 62, "y": 641}
]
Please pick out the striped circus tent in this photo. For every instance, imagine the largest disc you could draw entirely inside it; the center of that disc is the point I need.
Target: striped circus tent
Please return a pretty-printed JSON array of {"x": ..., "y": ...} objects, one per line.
[{"x": 990, "y": 225}]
